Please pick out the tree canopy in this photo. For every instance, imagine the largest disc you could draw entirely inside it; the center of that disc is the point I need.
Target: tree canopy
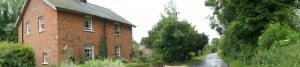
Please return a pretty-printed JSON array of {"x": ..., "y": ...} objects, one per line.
[
  {"x": 9, "y": 11},
  {"x": 242, "y": 22},
  {"x": 174, "y": 39}
]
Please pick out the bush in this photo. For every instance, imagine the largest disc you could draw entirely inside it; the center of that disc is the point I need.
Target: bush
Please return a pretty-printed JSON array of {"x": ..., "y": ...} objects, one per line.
[
  {"x": 103, "y": 63},
  {"x": 16, "y": 55},
  {"x": 283, "y": 52},
  {"x": 149, "y": 64},
  {"x": 287, "y": 56},
  {"x": 275, "y": 32},
  {"x": 68, "y": 64}
]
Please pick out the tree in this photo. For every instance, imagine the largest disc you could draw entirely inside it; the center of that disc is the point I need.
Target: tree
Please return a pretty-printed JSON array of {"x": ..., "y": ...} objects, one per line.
[
  {"x": 9, "y": 11},
  {"x": 244, "y": 21},
  {"x": 173, "y": 42},
  {"x": 170, "y": 13},
  {"x": 174, "y": 39},
  {"x": 215, "y": 41},
  {"x": 198, "y": 41}
]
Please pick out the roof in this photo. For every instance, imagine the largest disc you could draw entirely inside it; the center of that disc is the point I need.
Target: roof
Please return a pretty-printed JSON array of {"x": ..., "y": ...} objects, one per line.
[{"x": 87, "y": 8}]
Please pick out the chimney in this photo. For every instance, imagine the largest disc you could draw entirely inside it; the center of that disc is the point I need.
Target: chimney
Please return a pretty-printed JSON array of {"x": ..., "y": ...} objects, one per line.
[{"x": 84, "y": 1}]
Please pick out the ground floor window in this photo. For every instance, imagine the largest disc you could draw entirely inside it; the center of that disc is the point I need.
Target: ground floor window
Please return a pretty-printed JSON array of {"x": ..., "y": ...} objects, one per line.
[
  {"x": 89, "y": 52},
  {"x": 117, "y": 51},
  {"x": 45, "y": 58}
]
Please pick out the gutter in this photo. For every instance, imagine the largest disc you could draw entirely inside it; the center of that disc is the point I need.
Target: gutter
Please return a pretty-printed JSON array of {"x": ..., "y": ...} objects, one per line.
[{"x": 21, "y": 13}]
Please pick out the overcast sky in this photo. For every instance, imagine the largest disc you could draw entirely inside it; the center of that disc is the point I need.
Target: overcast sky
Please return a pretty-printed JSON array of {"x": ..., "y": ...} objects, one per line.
[{"x": 146, "y": 13}]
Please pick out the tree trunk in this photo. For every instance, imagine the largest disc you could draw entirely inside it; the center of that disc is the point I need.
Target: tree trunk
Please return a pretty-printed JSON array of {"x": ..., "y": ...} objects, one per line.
[{"x": 196, "y": 53}]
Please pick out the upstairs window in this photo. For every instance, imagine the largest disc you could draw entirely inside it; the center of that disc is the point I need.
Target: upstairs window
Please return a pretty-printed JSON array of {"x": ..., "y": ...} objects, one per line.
[
  {"x": 117, "y": 29},
  {"x": 28, "y": 28},
  {"x": 89, "y": 52},
  {"x": 41, "y": 24},
  {"x": 88, "y": 25},
  {"x": 117, "y": 51},
  {"x": 45, "y": 58}
]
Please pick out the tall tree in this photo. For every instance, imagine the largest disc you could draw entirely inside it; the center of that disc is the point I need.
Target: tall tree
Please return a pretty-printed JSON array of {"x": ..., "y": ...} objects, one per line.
[
  {"x": 9, "y": 11},
  {"x": 198, "y": 41},
  {"x": 170, "y": 13}
]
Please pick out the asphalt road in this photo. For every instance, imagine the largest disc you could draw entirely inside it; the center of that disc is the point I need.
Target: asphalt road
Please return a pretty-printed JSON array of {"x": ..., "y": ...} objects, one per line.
[{"x": 212, "y": 60}]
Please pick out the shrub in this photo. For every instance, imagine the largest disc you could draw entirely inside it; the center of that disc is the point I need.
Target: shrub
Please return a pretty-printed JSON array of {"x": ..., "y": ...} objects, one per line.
[
  {"x": 68, "y": 64},
  {"x": 283, "y": 53},
  {"x": 103, "y": 63},
  {"x": 149, "y": 64},
  {"x": 16, "y": 55},
  {"x": 274, "y": 33}
]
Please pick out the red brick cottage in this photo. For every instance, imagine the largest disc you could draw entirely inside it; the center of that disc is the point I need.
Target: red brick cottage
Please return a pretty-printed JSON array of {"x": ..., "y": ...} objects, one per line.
[{"x": 61, "y": 30}]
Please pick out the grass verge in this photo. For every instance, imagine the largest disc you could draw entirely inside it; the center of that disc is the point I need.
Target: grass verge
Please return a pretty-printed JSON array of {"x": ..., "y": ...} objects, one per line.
[
  {"x": 232, "y": 62},
  {"x": 195, "y": 60}
]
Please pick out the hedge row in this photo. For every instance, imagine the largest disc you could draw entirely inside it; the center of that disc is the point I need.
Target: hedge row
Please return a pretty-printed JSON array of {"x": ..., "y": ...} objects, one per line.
[{"x": 16, "y": 55}]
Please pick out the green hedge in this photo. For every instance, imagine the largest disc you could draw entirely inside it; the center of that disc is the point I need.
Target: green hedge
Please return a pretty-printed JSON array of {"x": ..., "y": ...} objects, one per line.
[{"x": 16, "y": 55}]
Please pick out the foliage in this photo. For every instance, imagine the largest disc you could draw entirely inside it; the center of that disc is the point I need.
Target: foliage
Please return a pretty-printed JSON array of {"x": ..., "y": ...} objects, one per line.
[
  {"x": 284, "y": 56},
  {"x": 169, "y": 17},
  {"x": 244, "y": 21},
  {"x": 274, "y": 33},
  {"x": 68, "y": 64},
  {"x": 9, "y": 11},
  {"x": 233, "y": 63},
  {"x": 148, "y": 64},
  {"x": 173, "y": 39},
  {"x": 215, "y": 41},
  {"x": 103, "y": 63},
  {"x": 16, "y": 55},
  {"x": 197, "y": 41}
]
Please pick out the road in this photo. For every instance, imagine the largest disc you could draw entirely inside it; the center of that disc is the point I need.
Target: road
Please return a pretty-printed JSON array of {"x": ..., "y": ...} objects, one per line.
[{"x": 212, "y": 60}]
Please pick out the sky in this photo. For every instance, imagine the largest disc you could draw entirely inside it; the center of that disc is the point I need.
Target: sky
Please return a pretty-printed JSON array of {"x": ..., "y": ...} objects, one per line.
[{"x": 146, "y": 13}]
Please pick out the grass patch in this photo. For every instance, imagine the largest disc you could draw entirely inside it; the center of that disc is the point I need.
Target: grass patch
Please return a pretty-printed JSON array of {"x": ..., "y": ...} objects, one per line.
[
  {"x": 195, "y": 60},
  {"x": 232, "y": 63},
  {"x": 149, "y": 64},
  {"x": 187, "y": 63}
]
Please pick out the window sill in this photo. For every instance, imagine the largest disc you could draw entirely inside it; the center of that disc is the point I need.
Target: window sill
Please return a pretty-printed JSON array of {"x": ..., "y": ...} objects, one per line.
[
  {"x": 41, "y": 31},
  {"x": 89, "y": 30},
  {"x": 27, "y": 35},
  {"x": 117, "y": 34},
  {"x": 45, "y": 63}
]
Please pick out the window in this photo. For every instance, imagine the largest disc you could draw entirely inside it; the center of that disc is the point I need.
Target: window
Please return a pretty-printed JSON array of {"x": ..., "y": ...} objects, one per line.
[
  {"x": 41, "y": 24},
  {"x": 88, "y": 25},
  {"x": 117, "y": 29},
  {"x": 45, "y": 58},
  {"x": 28, "y": 28},
  {"x": 89, "y": 52},
  {"x": 117, "y": 52}
]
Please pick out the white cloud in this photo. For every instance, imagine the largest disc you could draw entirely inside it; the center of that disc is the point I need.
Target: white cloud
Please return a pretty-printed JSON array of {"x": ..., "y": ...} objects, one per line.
[{"x": 146, "y": 13}]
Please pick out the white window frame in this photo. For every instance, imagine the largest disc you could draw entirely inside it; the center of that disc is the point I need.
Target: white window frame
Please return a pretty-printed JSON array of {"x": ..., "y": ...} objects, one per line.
[
  {"x": 117, "y": 28},
  {"x": 41, "y": 24},
  {"x": 28, "y": 29},
  {"x": 88, "y": 20},
  {"x": 117, "y": 51},
  {"x": 45, "y": 58},
  {"x": 89, "y": 52}
]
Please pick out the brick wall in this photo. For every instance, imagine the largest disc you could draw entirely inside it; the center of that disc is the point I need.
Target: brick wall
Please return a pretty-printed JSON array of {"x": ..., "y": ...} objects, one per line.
[
  {"x": 71, "y": 33},
  {"x": 65, "y": 28},
  {"x": 42, "y": 42}
]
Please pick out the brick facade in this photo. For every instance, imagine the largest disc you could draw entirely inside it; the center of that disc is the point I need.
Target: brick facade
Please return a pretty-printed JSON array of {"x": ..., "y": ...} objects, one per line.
[{"x": 64, "y": 28}]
